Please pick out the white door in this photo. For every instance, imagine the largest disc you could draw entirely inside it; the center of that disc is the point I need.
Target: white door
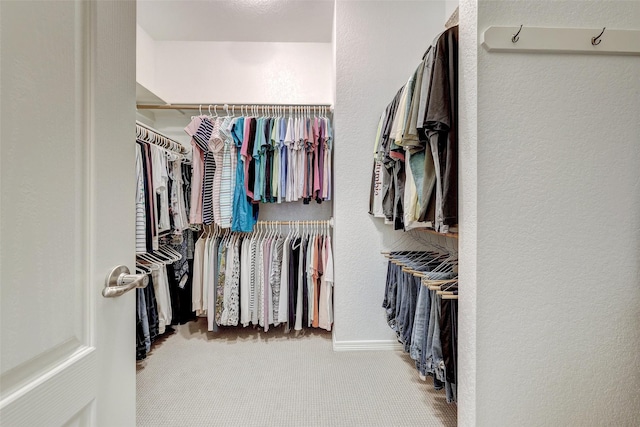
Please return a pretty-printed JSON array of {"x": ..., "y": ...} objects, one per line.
[{"x": 67, "y": 76}]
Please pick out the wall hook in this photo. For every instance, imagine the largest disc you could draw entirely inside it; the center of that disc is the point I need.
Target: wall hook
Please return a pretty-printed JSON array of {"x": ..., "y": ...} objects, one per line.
[
  {"x": 515, "y": 37},
  {"x": 596, "y": 40}
]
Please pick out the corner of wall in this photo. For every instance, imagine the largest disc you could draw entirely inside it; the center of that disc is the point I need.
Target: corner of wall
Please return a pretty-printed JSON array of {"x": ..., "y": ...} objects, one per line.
[
  {"x": 468, "y": 182},
  {"x": 145, "y": 59}
]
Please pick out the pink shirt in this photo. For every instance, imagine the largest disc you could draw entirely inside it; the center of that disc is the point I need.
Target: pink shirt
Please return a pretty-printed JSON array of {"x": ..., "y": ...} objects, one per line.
[
  {"x": 246, "y": 156},
  {"x": 316, "y": 164}
]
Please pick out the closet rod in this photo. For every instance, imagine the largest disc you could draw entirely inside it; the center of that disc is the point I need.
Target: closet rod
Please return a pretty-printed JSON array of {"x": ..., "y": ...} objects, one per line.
[
  {"x": 205, "y": 106},
  {"x": 307, "y": 222},
  {"x": 181, "y": 148}
]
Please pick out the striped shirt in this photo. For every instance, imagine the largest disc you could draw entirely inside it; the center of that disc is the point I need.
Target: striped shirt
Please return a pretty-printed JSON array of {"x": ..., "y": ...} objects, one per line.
[
  {"x": 201, "y": 138},
  {"x": 227, "y": 178},
  {"x": 216, "y": 145},
  {"x": 141, "y": 220},
  {"x": 255, "y": 277}
]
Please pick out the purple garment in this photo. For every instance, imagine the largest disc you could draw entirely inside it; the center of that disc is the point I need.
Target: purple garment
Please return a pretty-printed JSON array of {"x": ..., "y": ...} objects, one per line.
[{"x": 329, "y": 142}]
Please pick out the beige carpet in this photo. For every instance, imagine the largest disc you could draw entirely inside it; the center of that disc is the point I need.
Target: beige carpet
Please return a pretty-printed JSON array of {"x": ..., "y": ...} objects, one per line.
[{"x": 242, "y": 377}]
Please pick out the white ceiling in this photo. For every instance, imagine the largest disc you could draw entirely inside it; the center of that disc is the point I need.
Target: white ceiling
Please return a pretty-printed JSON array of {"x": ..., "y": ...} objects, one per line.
[{"x": 237, "y": 20}]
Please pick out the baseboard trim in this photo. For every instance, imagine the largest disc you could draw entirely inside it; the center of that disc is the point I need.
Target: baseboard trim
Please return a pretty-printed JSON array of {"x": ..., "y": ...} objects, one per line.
[{"x": 366, "y": 345}]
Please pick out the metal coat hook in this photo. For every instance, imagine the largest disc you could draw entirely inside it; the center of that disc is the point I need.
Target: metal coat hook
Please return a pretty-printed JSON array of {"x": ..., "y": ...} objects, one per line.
[
  {"x": 516, "y": 37},
  {"x": 596, "y": 40}
]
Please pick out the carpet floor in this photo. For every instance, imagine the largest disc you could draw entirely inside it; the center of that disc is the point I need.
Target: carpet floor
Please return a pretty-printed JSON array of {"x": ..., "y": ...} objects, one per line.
[{"x": 244, "y": 377}]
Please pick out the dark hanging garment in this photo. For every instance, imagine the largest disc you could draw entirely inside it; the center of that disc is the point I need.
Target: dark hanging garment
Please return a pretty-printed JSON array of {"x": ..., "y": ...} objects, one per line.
[
  {"x": 147, "y": 190},
  {"x": 441, "y": 117},
  {"x": 180, "y": 285},
  {"x": 269, "y": 161},
  {"x": 399, "y": 180},
  {"x": 320, "y": 163},
  {"x": 152, "y": 310},
  {"x": 186, "y": 186},
  {"x": 252, "y": 165},
  {"x": 305, "y": 286},
  {"x": 143, "y": 340},
  {"x": 447, "y": 338},
  {"x": 294, "y": 259},
  {"x": 180, "y": 296}
]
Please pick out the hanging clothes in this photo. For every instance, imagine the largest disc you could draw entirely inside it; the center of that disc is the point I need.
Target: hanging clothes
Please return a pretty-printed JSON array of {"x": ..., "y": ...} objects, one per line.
[
  {"x": 414, "y": 176},
  {"x": 264, "y": 279},
  {"x": 242, "y": 161},
  {"x": 424, "y": 322},
  {"x": 141, "y": 224},
  {"x": 162, "y": 237}
]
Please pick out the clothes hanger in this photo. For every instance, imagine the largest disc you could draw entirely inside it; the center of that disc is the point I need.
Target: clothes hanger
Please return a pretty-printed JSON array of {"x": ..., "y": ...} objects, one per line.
[
  {"x": 142, "y": 269},
  {"x": 163, "y": 257},
  {"x": 166, "y": 250},
  {"x": 441, "y": 268},
  {"x": 256, "y": 231},
  {"x": 259, "y": 230},
  {"x": 152, "y": 259},
  {"x": 173, "y": 251},
  {"x": 146, "y": 256},
  {"x": 270, "y": 233},
  {"x": 146, "y": 264},
  {"x": 296, "y": 235}
]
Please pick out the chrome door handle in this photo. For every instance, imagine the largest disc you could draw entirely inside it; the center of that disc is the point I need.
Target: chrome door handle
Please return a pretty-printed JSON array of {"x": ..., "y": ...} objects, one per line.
[{"x": 120, "y": 281}]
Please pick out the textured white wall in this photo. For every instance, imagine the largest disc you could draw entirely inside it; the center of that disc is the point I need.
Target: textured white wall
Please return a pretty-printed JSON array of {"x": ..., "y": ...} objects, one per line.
[
  {"x": 556, "y": 256},
  {"x": 244, "y": 72},
  {"x": 241, "y": 72},
  {"x": 145, "y": 59},
  {"x": 468, "y": 212},
  {"x": 378, "y": 46}
]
